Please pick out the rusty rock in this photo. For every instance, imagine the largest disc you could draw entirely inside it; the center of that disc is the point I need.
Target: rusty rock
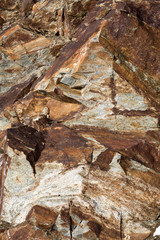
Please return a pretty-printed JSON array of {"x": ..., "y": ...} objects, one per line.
[{"x": 79, "y": 101}]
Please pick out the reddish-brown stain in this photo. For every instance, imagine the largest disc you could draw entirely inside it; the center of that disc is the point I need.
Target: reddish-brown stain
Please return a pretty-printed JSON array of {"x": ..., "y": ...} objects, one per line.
[
  {"x": 95, "y": 227},
  {"x": 28, "y": 140},
  {"x": 104, "y": 159},
  {"x": 42, "y": 217}
]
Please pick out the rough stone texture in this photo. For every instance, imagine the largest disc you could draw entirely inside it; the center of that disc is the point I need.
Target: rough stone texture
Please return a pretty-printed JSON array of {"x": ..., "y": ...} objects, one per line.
[{"x": 79, "y": 119}]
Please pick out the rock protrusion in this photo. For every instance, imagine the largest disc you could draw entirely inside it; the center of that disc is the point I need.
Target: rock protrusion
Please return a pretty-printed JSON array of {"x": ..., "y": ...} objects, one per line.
[{"x": 28, "y": 140}]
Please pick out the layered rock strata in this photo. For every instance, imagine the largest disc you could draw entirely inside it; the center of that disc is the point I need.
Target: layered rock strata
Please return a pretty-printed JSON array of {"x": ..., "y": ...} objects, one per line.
[{"x": 79, "y": 119}]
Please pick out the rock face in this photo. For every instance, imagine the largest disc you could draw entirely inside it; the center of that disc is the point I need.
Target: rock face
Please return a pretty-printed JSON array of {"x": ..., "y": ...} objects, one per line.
[{"x": 79, "y": 119}]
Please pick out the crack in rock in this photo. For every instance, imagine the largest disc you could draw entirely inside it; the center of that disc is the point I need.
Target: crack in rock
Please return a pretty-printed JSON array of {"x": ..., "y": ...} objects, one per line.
[{"x": 28, "y": 140}]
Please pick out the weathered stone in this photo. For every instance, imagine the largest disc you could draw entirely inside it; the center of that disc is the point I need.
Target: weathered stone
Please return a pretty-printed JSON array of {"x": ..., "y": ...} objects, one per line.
[
  {"x": 9, "y": 5},
  {"x": 15, "y": 93},
  {"x": 24, "y": 232},
  {"x": 26, "y": 6},
  {"x": 147, "y": 151},
  {"x": 27, "y": 140},
  {"x": 79, "y": 100},
  {"x": 64, "y": 146},
  {"x": 4, "y": 163},
  {"x": 103, "y": 160},
  {"x": 20, "y": 49},
  {"x": 61, "y": 111},
  {"x": 134, "y": 59},
  {"x": 111, "y": 139},
  {"x": 41, "y": 217}
]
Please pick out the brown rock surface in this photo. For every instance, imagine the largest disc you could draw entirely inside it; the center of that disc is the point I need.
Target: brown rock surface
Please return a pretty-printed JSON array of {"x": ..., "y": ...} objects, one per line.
[
  {"x": 135, "y": 60},
  {"x": 79, "y": 119},
  {"x": 24, "y": 232},
  {"x": 41, "y": 217}
]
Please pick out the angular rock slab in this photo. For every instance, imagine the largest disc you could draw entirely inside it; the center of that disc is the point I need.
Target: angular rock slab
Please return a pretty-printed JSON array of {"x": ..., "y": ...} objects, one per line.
[{"x": 135, "y": 46}]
